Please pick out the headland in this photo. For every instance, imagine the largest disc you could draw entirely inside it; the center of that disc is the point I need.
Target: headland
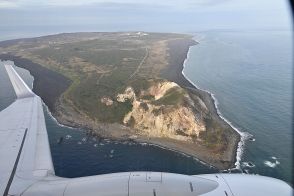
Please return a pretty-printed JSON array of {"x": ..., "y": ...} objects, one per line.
[{"x": 127, "y": 86}]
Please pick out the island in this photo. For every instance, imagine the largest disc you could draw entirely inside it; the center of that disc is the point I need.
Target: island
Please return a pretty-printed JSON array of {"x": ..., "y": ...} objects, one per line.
[{"x": 126, "y": 86}]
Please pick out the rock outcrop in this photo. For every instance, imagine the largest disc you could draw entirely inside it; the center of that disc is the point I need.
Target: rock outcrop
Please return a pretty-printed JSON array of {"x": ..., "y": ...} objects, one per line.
[
  {"x": 163, "y": 110},
  {"x": 107, "y": 101}
]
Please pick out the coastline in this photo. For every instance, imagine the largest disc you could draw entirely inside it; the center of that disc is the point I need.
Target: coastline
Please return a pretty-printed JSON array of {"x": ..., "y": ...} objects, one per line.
[
  {"x": 243, "y": 135},
  {"x": 48, "y": 84},
  {"x": 119, "y": 132},
  {"x": 175, "y": 73}
]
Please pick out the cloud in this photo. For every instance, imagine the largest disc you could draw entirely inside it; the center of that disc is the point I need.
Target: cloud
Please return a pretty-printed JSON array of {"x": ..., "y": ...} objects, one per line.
[
  {"x": 8, "y": 4},
  {"x": 170, "y": 3},
  {"x": 184, "y": 5},
  {"x": 156, "y": 14}
]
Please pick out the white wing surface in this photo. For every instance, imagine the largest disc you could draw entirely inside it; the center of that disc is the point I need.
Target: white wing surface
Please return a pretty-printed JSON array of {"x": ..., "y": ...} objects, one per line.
[{"x": 24, "y": 148}]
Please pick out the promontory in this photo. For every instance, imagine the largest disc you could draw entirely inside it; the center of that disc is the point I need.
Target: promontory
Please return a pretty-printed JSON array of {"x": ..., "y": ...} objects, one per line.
[{"x": 126, "y": 85}]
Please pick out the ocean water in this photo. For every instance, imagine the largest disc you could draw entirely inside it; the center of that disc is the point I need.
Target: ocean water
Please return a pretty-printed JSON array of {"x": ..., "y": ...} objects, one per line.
[
  {"x": 250, "y": 75},
  {"x": 83, "y": 155}
]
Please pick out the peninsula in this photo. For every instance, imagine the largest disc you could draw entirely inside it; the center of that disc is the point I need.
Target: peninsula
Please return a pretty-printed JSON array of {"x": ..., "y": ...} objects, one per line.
[{"x": 126, "y": 85}]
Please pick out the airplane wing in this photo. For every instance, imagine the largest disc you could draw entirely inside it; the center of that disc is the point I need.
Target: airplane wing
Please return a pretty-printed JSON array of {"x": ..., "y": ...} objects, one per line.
[
  {"x": 26, "y": 165},
  {"x": 24, "y": 148}
]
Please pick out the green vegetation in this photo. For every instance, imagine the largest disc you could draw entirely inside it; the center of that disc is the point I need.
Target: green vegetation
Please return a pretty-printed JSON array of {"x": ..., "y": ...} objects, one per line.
[
  {"x": 102, "y": 65},
  {"x": 173, "y": 96},
  {"x": 139, "y": 84},
  {"x": 214, "y": 137},
  {"x": 103, "y": 68},
  {"x": 113, "y": 113},
  {"x": 148, "y": 97}
]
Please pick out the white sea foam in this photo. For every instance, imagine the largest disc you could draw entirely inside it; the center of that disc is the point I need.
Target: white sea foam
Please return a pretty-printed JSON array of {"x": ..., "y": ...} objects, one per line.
[
  {"x": 243, "y": 135},
  {"x": 247, "y": 164},
  {"x": 54, "y": 119},
  {"x": 271, "y": 164},
  {"x": 252, "y": 139},
  {"x": 84, "y": 139}
]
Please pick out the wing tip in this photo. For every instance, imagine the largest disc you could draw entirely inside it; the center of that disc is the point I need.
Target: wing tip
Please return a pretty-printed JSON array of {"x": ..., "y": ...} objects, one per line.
[{"x": 20, "y": 87}]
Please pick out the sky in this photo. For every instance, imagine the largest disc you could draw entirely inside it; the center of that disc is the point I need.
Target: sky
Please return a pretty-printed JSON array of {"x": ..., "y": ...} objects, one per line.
[{"x": 145, "y": 15}]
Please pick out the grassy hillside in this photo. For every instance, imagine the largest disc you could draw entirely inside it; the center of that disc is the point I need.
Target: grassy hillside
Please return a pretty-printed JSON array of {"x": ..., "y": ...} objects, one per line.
[{"x": 99, "y": 65}]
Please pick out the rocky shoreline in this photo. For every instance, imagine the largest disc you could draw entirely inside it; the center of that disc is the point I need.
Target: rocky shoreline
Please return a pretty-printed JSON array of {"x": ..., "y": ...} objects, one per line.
[
  {"x": 179, "y": 53},
  {"x": 50, "y": 85}
]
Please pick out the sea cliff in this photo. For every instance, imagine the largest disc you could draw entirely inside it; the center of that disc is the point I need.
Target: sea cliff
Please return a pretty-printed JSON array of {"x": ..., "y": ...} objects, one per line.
[{"x": 141, "y": 95}]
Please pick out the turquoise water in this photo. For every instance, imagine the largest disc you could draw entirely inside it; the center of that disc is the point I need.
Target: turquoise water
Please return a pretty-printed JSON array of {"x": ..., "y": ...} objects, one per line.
[{"x": 250, "y": 74}]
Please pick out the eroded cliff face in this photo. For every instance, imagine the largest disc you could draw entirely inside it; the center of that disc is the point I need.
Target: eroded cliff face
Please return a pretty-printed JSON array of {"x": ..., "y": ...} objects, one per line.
[{"x": 163, "y": 110}]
